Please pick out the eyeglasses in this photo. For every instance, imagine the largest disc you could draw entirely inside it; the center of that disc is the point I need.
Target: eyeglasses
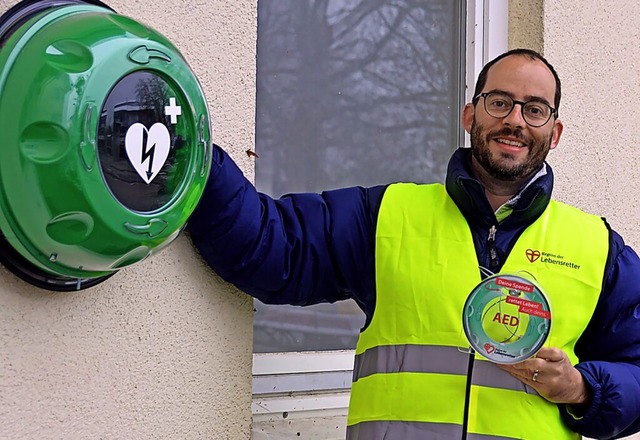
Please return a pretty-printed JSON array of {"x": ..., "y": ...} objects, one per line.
[{"x": 499, "y": 105}]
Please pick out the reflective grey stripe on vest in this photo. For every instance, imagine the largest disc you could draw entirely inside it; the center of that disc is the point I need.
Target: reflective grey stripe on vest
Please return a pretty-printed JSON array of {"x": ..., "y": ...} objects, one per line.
[
  {"x": 432, "y": 359},
  {"x": 387, "y": 430}
]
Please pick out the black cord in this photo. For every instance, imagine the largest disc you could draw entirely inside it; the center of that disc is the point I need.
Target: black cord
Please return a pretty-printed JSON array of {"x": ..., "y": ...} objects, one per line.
[{"x": 467, "y": 394}]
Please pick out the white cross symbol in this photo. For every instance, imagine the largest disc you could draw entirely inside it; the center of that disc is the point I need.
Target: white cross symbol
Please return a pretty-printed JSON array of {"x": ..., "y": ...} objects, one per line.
[{"x": 173, "y": 110}]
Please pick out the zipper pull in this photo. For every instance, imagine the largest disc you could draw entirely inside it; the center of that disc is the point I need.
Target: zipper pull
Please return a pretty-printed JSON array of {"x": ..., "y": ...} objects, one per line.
[{"x": 493, "y": 252}]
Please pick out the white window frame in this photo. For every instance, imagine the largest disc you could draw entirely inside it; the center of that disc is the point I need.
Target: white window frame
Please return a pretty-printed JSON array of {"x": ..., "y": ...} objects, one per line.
[
  {"x": 302, "y": 385},
  {"x": 487, "y": 37}
]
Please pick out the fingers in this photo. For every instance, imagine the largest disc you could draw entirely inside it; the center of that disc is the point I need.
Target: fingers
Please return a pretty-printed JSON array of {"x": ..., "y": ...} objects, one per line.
[
  {"x": 529, "y": 365},
  {"x": 547, "y": 364},
  {"x": 551, "y": 374},
  {"x": 551, "y": 354},
  {"x": 522, "y": 372},
  {"x": 539, "y": 362}
]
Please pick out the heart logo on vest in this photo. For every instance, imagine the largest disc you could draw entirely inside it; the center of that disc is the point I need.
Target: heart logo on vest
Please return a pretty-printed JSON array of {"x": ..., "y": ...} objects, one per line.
[
  {"x": 489, "y": 348},
  {"x": 532, "y": 255},
  {"x": 147, "y": 149}
]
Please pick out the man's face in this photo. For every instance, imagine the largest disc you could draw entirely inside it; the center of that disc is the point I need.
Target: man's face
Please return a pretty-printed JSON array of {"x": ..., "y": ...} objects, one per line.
[{"x": 508, "y": 148}]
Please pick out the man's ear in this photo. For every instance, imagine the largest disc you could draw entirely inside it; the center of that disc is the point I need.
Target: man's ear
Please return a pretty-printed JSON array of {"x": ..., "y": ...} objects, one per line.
[
  {"x": 468, "y": 113},
  {"x": 556, "y": 133}
]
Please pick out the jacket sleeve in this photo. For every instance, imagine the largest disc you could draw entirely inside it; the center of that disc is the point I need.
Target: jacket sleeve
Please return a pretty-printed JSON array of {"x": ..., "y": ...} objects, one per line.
[
  {"x": 609, "y": 352},
  {"x": 301, "y": 249}
]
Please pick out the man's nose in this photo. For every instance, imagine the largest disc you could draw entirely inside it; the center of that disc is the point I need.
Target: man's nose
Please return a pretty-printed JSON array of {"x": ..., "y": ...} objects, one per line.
[{"x": 515, "y": 118}]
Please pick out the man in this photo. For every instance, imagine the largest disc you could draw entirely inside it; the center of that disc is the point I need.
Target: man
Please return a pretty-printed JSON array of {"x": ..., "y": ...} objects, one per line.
[{"x": 409, "y": 255}]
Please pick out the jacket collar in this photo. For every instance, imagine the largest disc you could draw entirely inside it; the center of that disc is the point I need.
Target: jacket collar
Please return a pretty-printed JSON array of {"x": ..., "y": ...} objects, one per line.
[{"x": 468, "y": 194}]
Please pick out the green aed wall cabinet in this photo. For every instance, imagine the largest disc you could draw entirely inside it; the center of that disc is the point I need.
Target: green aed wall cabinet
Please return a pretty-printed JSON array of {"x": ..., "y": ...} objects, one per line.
[{"x": 105, "y": 142}]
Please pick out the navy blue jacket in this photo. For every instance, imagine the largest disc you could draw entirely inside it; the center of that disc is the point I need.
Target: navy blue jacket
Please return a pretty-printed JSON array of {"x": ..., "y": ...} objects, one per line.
[{"x": 309, "y": 248}]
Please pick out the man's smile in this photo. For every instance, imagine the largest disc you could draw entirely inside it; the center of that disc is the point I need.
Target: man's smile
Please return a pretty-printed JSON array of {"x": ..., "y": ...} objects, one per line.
[{"x": 510, "y": 142}]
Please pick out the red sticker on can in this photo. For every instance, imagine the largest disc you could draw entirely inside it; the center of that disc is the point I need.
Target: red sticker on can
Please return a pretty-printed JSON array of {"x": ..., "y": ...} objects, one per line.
[
  {"x": 529, "y": 307},
  {"x": 510, "y": 284}
]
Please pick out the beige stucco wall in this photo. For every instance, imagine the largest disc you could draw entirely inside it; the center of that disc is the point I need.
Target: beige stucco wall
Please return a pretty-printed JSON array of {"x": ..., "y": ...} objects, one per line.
[
  {"x": 162, "y": 350},
  {"x": 526, "y": 24},
  {"x": 594, "y": 47}
]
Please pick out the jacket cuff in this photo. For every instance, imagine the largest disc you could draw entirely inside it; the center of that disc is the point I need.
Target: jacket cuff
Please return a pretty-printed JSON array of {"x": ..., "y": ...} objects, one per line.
[{"x": 576, "y": 416}]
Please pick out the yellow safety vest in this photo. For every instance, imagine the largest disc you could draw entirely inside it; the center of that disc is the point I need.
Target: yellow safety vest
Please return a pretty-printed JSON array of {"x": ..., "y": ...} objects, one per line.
[{"x": 411, "y": 375}]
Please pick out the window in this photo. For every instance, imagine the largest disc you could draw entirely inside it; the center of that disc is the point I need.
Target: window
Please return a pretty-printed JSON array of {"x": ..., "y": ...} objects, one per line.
[{"x": 352, "y": 92}]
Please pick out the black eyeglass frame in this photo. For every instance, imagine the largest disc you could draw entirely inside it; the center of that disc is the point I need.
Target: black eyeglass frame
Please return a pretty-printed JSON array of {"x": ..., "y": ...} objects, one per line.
[{"x": 554, "y": 112}]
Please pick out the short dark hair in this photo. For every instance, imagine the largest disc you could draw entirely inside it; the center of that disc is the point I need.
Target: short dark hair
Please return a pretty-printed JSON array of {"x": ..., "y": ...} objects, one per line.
[{"x": 482, "y": 78}]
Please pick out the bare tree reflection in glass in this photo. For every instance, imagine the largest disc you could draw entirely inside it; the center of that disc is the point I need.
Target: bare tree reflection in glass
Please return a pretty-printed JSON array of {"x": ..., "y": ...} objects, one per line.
[{"x": 351, "y": 92}]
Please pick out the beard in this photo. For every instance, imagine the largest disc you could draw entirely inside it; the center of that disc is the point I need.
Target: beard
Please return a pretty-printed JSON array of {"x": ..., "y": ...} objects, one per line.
[{"x": 502, "y": 165}]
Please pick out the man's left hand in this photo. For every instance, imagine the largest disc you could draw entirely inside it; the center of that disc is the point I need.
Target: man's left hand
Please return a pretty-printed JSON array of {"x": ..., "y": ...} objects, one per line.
[{"x": 551, "y": 374}]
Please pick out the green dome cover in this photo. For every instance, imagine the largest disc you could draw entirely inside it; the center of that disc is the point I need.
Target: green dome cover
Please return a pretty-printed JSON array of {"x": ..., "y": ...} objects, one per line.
[{"x": 106, "y": 141}]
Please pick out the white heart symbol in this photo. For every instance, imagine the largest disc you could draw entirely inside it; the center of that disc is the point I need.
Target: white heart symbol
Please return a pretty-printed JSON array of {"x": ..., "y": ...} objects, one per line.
[{"x": 147, "y": 157}]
